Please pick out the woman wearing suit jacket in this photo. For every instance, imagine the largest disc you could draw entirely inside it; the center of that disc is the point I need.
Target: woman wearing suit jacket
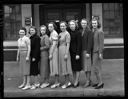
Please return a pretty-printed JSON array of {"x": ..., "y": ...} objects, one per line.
[
  {"x": 34, "y": 55},
  {"x": 98, "y": 45},
  {"x": 75, "y": 50},
  {"x": 86, "y": 50}
]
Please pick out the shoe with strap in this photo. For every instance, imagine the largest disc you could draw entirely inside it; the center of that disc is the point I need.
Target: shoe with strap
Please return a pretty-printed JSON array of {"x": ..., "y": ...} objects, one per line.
[
  {"x": 55, "y": 85},
  {"x": 44, "y": 85}
]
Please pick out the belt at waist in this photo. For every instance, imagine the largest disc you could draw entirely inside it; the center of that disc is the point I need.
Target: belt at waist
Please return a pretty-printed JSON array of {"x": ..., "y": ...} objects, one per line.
[
  {"x": 23, "y": 50},
  {"x": 62, "y": 45}
]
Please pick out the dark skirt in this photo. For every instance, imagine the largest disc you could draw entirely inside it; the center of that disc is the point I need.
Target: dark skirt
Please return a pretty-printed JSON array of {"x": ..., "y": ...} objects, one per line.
[
  {"x": 34, "y": 68},
  {"x": 76, "y": 64}
]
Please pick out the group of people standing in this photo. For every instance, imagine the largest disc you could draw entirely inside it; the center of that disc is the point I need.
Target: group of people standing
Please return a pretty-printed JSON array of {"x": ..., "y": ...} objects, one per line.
[{"x": 61, "y": 54}]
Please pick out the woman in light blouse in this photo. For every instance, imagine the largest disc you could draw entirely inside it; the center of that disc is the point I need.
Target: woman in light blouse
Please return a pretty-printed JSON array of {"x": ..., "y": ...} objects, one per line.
[
  {"x": 23, "y": 55},
  {"x": 53, "y": 54}
]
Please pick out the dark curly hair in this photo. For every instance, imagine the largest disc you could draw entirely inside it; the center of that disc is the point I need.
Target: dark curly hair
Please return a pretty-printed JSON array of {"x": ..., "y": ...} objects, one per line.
[
  {"x": 25, "y": 30},
  {"x": 54, "y": 25}
]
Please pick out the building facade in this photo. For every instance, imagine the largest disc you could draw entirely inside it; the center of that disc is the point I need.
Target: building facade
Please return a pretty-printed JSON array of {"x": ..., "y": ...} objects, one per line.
[{"x": 110, "y": 16}]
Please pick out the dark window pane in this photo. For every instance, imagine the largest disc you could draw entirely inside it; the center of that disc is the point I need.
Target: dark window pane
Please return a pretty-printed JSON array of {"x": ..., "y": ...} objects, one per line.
[
  {"x": 111, "y": 6},
  {"x": 106, "y": 14},
  {"x": 105, "y": 6},
  {"x": 12, "y": 21},
  {"x": 111, "y": 19},
  {"x": 111, "y": 15},
  {"x": 106, "y": 30}
]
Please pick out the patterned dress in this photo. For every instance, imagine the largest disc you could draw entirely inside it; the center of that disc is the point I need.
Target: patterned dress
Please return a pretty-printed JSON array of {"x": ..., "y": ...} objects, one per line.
[
  {"x": 64, "y": 65},
  {"x": 24, "y": 65},
  {"x": 54, "y": 70}
]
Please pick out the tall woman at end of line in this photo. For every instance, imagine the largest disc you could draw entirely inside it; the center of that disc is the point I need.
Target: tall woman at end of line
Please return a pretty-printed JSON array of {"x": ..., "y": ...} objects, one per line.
[{"x": 98, "y": 45}]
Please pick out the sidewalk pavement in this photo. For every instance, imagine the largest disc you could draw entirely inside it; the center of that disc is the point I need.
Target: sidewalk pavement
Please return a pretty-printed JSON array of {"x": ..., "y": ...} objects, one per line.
[{"x": 112, "y": 74}]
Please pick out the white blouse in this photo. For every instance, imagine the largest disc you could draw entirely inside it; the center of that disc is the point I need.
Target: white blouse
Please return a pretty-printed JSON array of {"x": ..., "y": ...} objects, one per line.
[{"x": 23, "y": 42}]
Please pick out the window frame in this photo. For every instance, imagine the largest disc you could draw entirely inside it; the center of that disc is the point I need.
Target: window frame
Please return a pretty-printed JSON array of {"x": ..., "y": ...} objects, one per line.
[
  {"x": 115, "y": 35},
  {"x": 13, "y": 30}
]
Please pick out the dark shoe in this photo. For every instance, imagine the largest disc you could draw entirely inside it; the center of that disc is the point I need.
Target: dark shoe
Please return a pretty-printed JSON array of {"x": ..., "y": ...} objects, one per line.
[
  {"x": 76, "y": 85},
  {"x": 99, "y": 86},
  {"x": 94, "y": 85},
  {"x": 87, "y": 84}
]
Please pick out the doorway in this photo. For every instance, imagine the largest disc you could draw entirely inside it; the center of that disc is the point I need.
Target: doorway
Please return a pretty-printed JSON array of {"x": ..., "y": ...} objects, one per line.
[{"x": 60, "y": 12}]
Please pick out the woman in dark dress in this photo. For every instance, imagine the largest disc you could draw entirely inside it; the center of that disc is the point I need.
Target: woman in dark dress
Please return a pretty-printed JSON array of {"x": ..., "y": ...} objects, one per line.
[
  {"x": 75, "y": 51},
  {"x": 34, "y": 55}
]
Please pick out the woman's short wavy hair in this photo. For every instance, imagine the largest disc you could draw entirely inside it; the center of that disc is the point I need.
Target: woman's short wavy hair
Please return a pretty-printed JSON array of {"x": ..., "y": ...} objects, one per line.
[
  {"x": 99, "y": 24},
  {"x": 86, "y": 21},
  {"x": 64, "y": 23},
  {"x": 33, "y": 28},
  {"x": 41, "y": 27},
  {"x": 76, "y": 24},
  {"x": 25, "y": 30},
  {"x": 54, "y": 25}
]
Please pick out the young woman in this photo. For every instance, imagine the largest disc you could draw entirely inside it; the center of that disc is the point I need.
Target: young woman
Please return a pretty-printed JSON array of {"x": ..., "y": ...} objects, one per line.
[
  {"x": 64, "y": 55},
  {"x": 23, "y": 55},
  {"x": 44, "y": 66},
  {"x": 86, "y": 50},
  {"x": 35, "y": 56},
  {"x": 98, "y": 44},
  {"x": 75, "y": 51},
  {"x": 53, "y": 54}
]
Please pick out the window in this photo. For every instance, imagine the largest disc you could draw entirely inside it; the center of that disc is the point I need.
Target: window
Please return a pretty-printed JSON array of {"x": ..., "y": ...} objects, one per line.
[
  {"x": 112, "y": 19},
  {"x": 12, "y": 21}
]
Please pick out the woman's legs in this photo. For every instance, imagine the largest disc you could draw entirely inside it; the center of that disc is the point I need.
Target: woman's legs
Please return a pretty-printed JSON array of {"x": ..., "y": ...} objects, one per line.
[
  {"x": 24, "y": 82},
  {"x": 88, "y": 75},
  {"x": 56, "y": 79},
  {"x": 77, "y": 78},
  {"x": 28, "y": 80}
]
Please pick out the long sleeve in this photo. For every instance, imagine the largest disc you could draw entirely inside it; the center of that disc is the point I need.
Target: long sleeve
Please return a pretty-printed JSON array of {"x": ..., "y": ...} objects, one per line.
[
  {"x": 89, "y": 42},
  {"x": 78, "y": 49},
  {"x": 36, "y": 51},
  {"x": 68, "y": 38},
  {"x": 47, "y": 43},
  {"x": 101, "y": 42}
]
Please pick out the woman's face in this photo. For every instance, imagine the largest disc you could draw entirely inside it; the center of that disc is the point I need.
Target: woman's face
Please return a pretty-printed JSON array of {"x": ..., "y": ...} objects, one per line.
[
  {"x": 50, "y": 27},
  {"x": 32, "y": 31},
  {"x": 84, "y": 24},
  {"x": 72, "y": 25},
  {"x": 62, "y": 27},
  {"x": 43, "y": 30},
  {"x": 94, "y": 24},
  {"x": 21, "y": 33}
]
